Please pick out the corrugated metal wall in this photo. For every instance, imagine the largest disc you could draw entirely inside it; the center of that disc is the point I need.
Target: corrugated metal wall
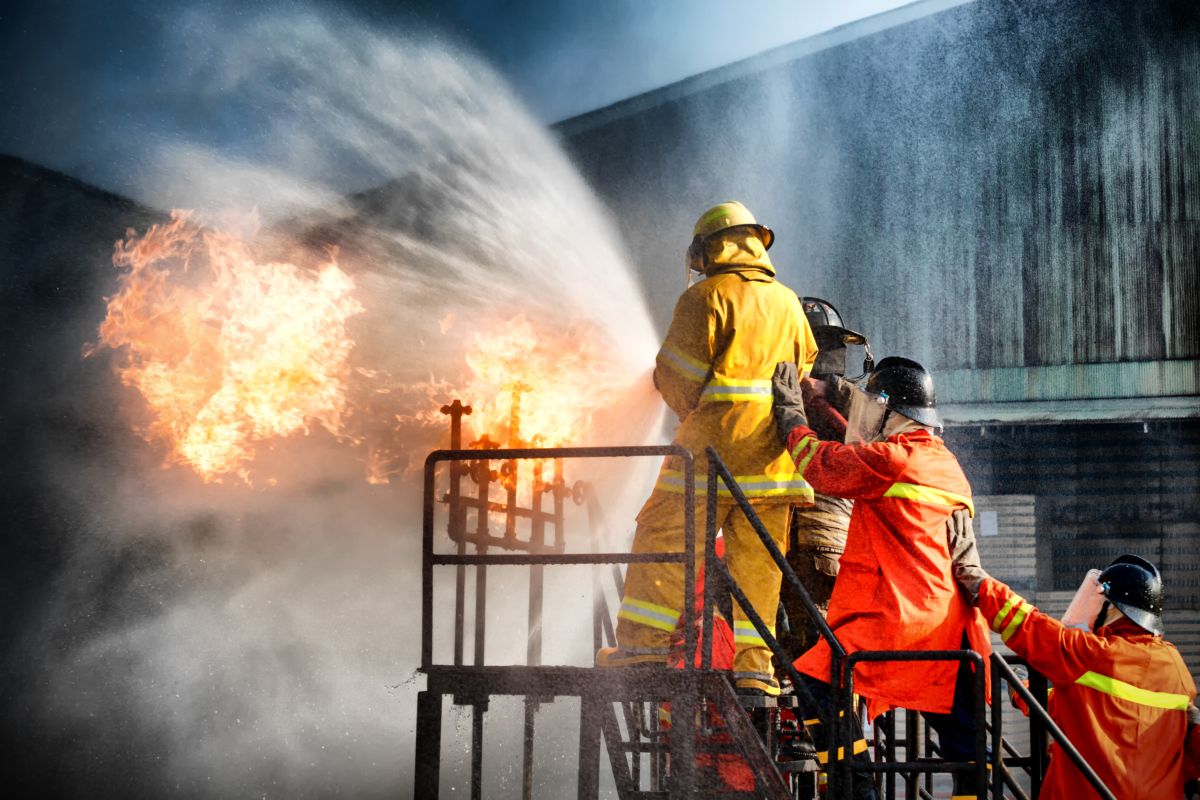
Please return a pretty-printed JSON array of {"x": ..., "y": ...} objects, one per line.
[
  {"x": 998, "y": 185},
  {"x": 1006, "y": 191}
]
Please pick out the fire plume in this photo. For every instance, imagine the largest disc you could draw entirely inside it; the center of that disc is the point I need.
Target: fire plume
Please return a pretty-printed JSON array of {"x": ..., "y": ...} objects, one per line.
[
  {"x": 228, "y": 352},
  {"x": 531, "y": 390}
]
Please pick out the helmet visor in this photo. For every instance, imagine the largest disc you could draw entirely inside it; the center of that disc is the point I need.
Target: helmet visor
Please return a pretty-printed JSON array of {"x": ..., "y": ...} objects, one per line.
[{"x": 865, "y": 416}]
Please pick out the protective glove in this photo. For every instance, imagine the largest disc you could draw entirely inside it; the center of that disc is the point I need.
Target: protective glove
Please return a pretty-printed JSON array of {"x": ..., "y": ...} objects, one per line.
[
  {"x": 1193, "y": 714},
  {"x": 960, "y": 539},
  {"x": 789, "y": 399}
]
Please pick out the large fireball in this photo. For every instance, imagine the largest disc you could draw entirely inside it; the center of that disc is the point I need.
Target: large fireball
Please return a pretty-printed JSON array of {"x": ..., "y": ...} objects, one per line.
[{"x": 227, "y": 352}]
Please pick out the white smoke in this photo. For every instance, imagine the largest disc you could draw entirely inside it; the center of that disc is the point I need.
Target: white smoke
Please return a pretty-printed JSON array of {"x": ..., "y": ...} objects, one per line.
[{"x": 264, "y": 641}]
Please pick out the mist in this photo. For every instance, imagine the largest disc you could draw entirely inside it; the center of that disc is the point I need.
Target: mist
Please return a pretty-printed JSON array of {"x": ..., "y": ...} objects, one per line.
[{"x": 261, "y": 637}]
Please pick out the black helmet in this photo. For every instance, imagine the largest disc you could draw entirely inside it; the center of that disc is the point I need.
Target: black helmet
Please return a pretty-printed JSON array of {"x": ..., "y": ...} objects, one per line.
[
  {"x": 820, "y": 313},
  {"x": 832, "y": 338},
  {"x": 909, "y": 389},
  {"x": 1133, "y": 585}
]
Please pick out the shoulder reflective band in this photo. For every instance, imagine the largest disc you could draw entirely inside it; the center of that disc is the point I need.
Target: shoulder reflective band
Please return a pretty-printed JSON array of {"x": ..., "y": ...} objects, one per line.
[
  {"x": 860, "y": 746},
  {"x": 928, "y": 494},
  {"x": 670, "y": 480},
  {"x": 737, "y": 390},
  {"x": 649, "y": 614},
  {"x": 804, "y": 453},
  {"x": 1134, "y": 694},
  {"x": 691, "y": 369}
]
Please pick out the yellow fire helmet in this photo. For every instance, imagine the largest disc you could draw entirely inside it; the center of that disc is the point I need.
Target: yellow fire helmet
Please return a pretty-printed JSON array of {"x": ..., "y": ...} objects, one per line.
[{"x": 731, "y": 214}]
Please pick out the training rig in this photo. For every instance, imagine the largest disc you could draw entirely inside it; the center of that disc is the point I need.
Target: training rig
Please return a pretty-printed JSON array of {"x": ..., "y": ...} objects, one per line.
[{"x": 498, "y": 514}]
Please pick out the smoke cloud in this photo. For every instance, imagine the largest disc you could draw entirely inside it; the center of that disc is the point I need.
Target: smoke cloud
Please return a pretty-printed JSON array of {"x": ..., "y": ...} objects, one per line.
[{"x": 229, "y": 639}]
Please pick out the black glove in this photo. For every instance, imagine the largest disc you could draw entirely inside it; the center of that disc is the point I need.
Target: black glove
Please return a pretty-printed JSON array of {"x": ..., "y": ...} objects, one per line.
[
  {"x": 960, "y": 539},
  {"x": 789, "y": 400}
]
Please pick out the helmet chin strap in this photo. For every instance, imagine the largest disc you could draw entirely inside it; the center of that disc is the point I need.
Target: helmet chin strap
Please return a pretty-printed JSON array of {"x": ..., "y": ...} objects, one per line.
[
  {"x": 1101, "y": 616},
  {"x": 882, "y": 434}
]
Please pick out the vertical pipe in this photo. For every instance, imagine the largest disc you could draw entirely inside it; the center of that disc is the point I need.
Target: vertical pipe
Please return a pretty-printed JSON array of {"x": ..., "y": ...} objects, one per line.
[
  {"x": 537, "y": 544},
  {"x": 429, "y": 745},
  {"x": 527, "y": 751},
  {"x": 481, "y": 531},
  {"x": 997, "y": 735},
  {"x": 533, "y": 644},
  {"x": 980, "y": 727},
  {"x": 689, "y": 561},
  {"x": 683, "y": 736},
  {"x": 457, "y": 526},
  {"x": 912, "y": 750},
  {"x": 477, "y": 712},
  {"x": 710, "y": 565},
  {"x": 589, "y": 746},
  {"x": 427, "y": 564},
  {"x": 891, "y": 753},
  {"x": 1037, "y": 732},
  {"x": 460, "y": 600}
]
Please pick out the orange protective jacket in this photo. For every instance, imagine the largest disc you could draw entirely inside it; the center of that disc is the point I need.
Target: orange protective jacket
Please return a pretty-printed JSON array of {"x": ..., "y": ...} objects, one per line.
[
  {"x": 895, "y": 590},
  {"x": 1120, "y": 695}
]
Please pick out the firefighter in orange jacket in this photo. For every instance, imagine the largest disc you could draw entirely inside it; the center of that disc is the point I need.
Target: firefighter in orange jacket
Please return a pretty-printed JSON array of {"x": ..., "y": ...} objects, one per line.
[
  {"x": 714, "y": 370},
  {"x": 895, "y": 589},
  {"x": 1122, "y": 694}
]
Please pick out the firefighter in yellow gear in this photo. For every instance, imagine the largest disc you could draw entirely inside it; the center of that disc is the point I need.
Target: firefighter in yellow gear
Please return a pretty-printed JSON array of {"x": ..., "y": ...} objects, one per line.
[{"x": 714, "y": 370}]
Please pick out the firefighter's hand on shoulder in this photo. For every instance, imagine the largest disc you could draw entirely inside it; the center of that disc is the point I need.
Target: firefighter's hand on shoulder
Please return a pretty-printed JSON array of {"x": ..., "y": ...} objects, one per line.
[
  {"x": 789, "y": 399},
  {"x": 960, "y": 541}
]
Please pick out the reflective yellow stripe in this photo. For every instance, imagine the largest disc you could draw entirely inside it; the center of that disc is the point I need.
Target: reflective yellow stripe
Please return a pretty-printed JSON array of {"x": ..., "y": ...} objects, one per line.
[
  {"x": 801, "y": 458},
  {"x": 744, "y": 632},
  {"x": 752, "y": 485},
  {"x": 648, "y": 614},
  {"x": 1134, "y": 694},
  {"x": 1004, "y": 609},
  {"x": 928, "y": 494},
  {"x": 860, "y": 746},
  {"x": 1017, "y": 619},
  {"x": 691, "y": 369}
]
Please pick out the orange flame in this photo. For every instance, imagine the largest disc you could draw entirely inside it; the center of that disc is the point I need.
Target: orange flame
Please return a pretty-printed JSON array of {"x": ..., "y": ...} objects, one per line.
[
  {"x": 530, "y": 390},
  {"x": 226, "y": 351}
]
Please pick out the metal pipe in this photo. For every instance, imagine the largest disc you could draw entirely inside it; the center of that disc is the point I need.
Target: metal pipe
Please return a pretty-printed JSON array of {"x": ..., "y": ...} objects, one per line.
[{"x": 710, "y": 570}]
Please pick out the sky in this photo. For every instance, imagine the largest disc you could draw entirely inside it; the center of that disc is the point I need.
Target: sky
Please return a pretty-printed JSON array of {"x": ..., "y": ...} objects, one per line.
[{"x": 84, "y": 85}]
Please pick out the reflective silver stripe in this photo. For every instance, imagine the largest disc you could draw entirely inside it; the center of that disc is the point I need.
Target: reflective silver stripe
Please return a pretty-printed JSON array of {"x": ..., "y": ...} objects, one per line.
[
  {"x": 744, "y": 632},
  {"x": 649, "y": 614},
  {"x": 687, "y": 367},
  {"x": 752, "y": 486},
  {"x": 736, "y": 390}
]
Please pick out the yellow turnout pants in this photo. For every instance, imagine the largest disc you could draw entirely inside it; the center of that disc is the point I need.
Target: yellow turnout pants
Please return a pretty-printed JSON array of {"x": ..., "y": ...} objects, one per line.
[{"x": 654, "y": 600}]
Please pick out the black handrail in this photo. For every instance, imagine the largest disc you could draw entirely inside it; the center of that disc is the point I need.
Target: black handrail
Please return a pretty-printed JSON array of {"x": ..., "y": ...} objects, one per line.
[
  {"x": 429, "y": 559},
  {"x": 980, "y": 763},
  {"x": 713, "y": 566},
  {"x": 1056, "y": 732}
]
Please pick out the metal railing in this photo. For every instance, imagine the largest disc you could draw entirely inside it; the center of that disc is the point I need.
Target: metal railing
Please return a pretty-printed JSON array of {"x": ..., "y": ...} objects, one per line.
[
  {"x": 687, "y": 687},
  {"x": 842, "y": 673}
]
